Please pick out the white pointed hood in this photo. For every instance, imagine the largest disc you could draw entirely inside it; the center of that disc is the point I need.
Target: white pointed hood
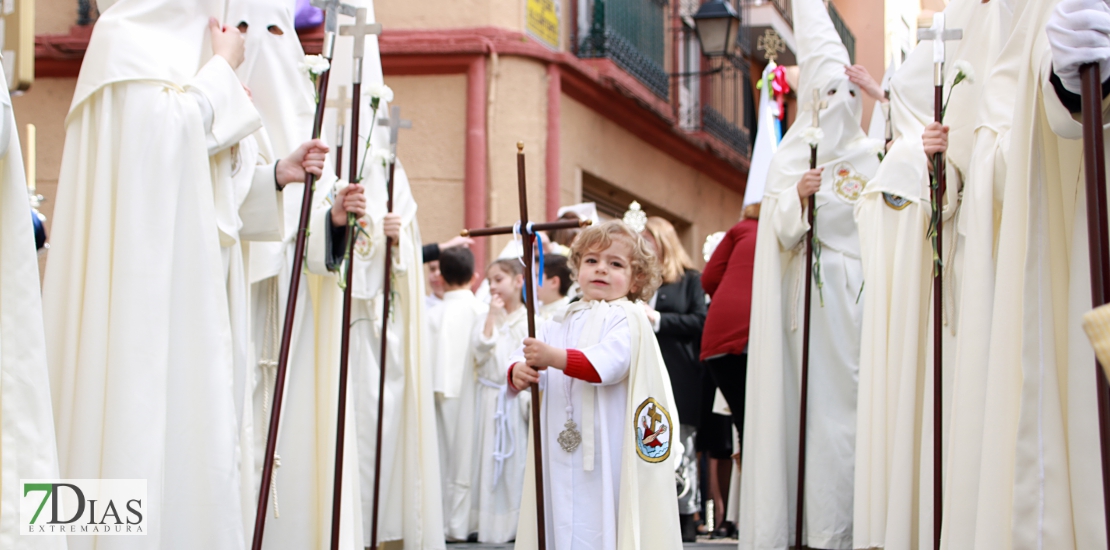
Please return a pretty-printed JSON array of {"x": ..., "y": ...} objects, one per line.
[
  {"x": 281, "y": 90},
  {"x": 823, "y": 59},
  {"x": 160, "y": 40}
]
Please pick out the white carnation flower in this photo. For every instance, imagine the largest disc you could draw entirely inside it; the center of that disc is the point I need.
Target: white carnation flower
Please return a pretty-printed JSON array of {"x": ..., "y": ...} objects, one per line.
[
  {"x": 813, "y": 136},
  {"x": 964, "y": 71},
  {"x": 380, "y": 92},
  {"x": 711, "y": 243},
  {"x": 381, "y": 157},
  {"x": 315, "y": 65},
  {"x": 877, "y": 146}
]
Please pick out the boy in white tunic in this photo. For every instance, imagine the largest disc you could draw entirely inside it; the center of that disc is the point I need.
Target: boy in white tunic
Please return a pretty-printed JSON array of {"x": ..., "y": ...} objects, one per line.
[
  {"x": 500, "y": 424},
  {"x": 609, "y": 472},
  {"x": 459, "y": 312}
]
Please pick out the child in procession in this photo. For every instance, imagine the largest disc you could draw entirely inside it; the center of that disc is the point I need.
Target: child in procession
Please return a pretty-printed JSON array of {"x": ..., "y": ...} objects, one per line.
[
  {"x": 607, "y": 418},
  {"x": 501, "y": 425}
]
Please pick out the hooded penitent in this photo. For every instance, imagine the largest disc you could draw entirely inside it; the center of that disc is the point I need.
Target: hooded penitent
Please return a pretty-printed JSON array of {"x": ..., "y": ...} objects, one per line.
[{"x": 849, "y": 159}]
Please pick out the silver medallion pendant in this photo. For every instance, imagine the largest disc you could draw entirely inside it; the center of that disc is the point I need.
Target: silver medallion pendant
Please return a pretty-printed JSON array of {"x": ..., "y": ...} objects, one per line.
[{"x": 570, "y": 438}]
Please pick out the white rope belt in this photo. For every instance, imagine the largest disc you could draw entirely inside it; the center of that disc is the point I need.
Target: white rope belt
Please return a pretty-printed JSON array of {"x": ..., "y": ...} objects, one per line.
[{"x": 504, "y": 438}]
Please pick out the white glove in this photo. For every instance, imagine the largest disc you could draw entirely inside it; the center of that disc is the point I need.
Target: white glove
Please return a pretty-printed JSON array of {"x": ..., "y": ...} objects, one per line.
[{"x": 1079, "y": 33}]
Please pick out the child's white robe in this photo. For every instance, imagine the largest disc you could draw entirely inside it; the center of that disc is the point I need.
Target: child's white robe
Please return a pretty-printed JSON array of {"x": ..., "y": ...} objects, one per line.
[
  {"x": 500, "y": 431},
  {"x": 583, "y": 507}
]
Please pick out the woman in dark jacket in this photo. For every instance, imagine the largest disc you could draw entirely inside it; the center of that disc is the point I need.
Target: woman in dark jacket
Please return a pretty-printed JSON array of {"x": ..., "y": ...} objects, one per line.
[{"x": 677, "y": 313}]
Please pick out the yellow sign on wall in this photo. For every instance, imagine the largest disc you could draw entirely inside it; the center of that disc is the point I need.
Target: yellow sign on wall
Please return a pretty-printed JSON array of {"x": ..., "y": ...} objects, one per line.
[{"x": 543, "y": 21}]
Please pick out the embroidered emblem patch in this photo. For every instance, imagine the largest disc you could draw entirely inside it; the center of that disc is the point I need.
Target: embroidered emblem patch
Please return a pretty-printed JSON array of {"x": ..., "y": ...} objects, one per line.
[
  {"x": 847, "y": 183},
  {"x": 362, "y": 242},
  {"x": 653, "y": 431},
  {"x": 896, "y": 202}
]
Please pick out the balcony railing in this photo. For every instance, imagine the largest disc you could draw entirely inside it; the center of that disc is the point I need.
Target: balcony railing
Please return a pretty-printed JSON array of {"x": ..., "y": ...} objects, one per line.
[
  {"x": 631, "y": 33},
  {"x": 719, "y": 103}
]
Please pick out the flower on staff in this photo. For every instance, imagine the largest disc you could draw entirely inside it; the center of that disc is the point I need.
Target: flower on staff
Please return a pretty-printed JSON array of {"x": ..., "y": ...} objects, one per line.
[
  {"x": 379, "y": 93},
  {"x": 381, "y": 157},
  {"x": 964, "y": 71},
  {"x": 315, "y": 65},
  {"x": 813, "y": 136}
]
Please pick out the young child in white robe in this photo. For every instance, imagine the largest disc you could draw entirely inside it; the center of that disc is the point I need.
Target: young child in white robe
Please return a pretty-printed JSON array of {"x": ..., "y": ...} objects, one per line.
[
  {"x": 458, "y": 313},
  {"x": 607, "y": 418},
  {"x": 556, "y": 285},
  {"x": 500, "y": 424}
]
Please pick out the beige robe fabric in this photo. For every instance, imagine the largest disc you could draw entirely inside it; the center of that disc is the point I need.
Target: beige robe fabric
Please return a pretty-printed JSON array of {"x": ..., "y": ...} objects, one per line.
[
  {"x": 1040, "y": 482},
  {"x": 27, "y": 448}
]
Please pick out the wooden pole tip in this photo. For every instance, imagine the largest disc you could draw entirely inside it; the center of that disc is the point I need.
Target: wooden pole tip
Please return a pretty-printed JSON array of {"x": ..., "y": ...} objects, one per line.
[
  {"x": 586, "y": 223},
  {"x": 464, "y": 233},
  {"x": 520, "y": 146}
]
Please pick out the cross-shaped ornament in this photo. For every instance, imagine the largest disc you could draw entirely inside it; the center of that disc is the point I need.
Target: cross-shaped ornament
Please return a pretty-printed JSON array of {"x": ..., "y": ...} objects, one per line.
[
  {"x": 332, "y": 9},
  {"x": 359, "y": 31},
  {"x": 938, "y": 34},
  {"x": 771, "y": 45},
  {"x": 395, "y": 124},
  {"x": 341, "y": 104},
  {"x": 817, "y": 105}
]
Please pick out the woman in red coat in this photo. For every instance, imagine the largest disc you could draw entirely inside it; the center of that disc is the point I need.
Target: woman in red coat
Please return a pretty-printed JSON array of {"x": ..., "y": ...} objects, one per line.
[{"x": 728, "y": 282}]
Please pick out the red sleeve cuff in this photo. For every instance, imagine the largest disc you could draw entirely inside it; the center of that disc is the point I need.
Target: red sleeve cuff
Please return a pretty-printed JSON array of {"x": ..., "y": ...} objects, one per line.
[
  {"x": 509, "y": 380},
  {"x": 579, "y": 367}
]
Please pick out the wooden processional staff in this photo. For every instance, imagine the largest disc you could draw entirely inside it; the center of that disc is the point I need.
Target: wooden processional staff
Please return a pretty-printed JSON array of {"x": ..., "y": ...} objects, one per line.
[
  {"x": 816, "y": 106},
  {"x": 528, "y": 233},
  {"x": 359, "y": 31},
  {"x": 332, "y": 9},
  {"x": 938, "y": 34},
  {"x": 1098, "y": 242}
]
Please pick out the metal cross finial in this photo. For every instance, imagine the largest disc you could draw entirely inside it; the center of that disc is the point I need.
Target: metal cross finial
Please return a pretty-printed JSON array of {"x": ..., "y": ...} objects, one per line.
[
  {"x": 395, "y": 124},
  {"x": 341, "y": 104},
  {"x": 332, "y": 9},
  {"x": 938, "y": 34},
  {"x": 817, "y": 105},
  {"x": 360, "y": 30},
  {"x": 771, "y": 44}
]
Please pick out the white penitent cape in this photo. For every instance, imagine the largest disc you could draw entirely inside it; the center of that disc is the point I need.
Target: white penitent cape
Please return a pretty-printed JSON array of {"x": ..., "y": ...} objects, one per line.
[
  {"x": 134, "y": 295},
  {"x": 894, "y": 441},
  {"x": 768, "y": 479},
  {"x": 614, "y": 490},
  {"x": 1040, "y": 483},
  {"x": 27, "y": 448},
  {"x": 978, "y": 233},
  {"x": 452, "y": 370},
  {"x": 500, "y": 430},
  {"x": 411, "y": 506}
]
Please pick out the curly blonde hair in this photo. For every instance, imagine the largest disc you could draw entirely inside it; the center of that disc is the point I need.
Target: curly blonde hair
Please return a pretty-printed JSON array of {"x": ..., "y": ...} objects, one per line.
[{"x": 646, "y": 273}]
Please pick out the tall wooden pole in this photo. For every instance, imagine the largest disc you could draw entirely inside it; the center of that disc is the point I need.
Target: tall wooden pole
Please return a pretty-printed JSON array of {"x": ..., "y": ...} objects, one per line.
[
  {"x": 345, "y": 342},
  {"x": 800, "y": 504},
  {"x": 530, "y": 302},
  {"x": 1098, "y": 241},
  {"x": 938, "y": 327}
]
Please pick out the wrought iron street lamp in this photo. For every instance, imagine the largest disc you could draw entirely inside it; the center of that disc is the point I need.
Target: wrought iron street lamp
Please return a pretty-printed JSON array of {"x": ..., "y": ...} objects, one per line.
[{"x": 718, "y": 26}]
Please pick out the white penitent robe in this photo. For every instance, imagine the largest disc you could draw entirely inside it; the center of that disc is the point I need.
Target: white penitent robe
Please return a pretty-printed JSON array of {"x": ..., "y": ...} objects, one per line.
[
  {"x": 1040, "y": 482},
  {"x": 894, "y": 440},
  {"x": 500, "y": 430},
  {"x": 300, "y": 498},
  {"x": 248, "y": 208},
  {"x": 453, "y": 379},
  {"x": 134, "y": 295},
  {"x": 27, "y": 448},
  {"x": 411, "y": 507},
  {"x": 768, "y": 478},
  {"x": 614, "y": 490}
]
